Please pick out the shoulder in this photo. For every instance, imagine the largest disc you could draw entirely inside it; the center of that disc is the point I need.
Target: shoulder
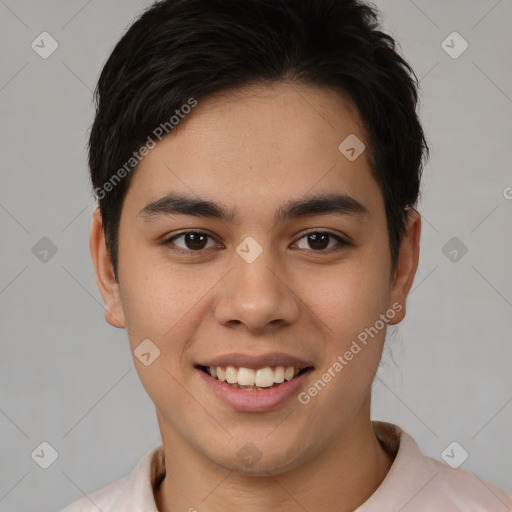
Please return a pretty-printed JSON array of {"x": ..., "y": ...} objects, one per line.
[
  {"x": 419, "y": 483},
  {"x": 460, "y": 490},
  {"x": 131, "y": 493},
  {"x": 103, "y": 499}
]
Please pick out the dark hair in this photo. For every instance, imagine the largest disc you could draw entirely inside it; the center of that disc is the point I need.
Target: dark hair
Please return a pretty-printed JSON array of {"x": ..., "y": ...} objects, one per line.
[{"x": 179, "y": 50}]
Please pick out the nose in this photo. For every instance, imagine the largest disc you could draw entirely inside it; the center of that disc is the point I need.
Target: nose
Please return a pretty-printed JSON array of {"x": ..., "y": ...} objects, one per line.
[{"x": 257, "y": 295}]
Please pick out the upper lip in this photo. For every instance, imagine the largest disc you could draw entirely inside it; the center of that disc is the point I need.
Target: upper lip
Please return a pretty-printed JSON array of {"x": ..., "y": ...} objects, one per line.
[{"x": 256, "y": 361}]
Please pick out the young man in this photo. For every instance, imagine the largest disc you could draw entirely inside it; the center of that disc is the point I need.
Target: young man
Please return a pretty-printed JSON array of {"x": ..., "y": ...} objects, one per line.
[{"x": 257, "y": 164}]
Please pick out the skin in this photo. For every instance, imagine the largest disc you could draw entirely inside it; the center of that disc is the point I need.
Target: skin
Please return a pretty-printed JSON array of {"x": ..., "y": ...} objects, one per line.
[{"x": 252, "y": 151}]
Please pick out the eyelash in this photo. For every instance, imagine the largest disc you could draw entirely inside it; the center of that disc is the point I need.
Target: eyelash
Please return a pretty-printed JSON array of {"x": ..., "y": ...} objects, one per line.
[{"x": 342, "y": 243}]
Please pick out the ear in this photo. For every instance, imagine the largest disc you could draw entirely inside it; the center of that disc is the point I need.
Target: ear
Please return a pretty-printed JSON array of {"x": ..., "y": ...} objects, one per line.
[
  {"x": 105, "y": 279},
  {"x": 408, "y": 257}
]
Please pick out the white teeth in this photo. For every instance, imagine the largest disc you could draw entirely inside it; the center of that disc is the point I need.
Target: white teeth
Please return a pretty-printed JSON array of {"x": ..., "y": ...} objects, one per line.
[
  {"x": 231, "y": 374},
  {"x": 279, "y": 375},
  {"x": 264, "y": 377},
  {"x": 289, "y": 373},
  {"x": 261, "y": 378},
  {"x": 246, "y": 377}
]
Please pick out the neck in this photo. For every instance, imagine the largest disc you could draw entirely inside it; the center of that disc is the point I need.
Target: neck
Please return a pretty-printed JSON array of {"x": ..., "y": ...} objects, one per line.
[{"x": 340, "y": 478}]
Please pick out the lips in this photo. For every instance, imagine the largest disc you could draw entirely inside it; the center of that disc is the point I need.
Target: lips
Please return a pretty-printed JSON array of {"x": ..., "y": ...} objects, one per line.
[
  {"x": 257, "y": 399},
  {"x": 256, "y": 361}
]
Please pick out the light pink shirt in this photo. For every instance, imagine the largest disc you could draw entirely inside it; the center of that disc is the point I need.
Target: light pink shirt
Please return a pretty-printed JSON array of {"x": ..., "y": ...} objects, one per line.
[{"x": 414, "y": 483}]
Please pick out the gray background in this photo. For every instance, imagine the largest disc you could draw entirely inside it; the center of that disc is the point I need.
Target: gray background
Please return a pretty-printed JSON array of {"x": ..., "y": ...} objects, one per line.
[{"x": 67, "y": 377}]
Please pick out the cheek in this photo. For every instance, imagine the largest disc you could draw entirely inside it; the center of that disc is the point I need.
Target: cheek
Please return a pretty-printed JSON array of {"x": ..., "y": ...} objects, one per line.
[
  {"x": 165, "y": 302},
  {"x": 350, "y": 307},
  {"x": 348, "y": 299},
  {"x": 165, "y": 306}
]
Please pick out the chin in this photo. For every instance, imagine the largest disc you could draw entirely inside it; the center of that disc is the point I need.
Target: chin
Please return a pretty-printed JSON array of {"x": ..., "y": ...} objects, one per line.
[{"x": 252, "y": 461}]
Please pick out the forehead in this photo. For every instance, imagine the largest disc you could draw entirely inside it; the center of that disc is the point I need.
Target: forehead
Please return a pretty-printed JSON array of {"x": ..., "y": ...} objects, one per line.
[
  {"x": 258, "y": 144},
  {"x": 298, "y": 118}
]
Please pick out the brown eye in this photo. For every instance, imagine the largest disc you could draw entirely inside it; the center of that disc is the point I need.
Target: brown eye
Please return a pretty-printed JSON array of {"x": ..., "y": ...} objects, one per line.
[
  {"x": 192, "y": 241},
  {"x": 195, "y": 241},
  {"x": 319, "y": 240}
]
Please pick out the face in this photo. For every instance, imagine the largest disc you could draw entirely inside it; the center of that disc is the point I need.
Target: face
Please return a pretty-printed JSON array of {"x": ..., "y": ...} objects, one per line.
[{"x": 251, "y": 282}]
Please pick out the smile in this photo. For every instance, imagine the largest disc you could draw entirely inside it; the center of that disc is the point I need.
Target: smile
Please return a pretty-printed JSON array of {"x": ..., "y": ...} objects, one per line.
[{"x": 249, "y": 378}]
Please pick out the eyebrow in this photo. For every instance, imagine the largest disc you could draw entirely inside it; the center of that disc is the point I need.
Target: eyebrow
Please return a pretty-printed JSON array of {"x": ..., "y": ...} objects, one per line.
[{"x": 319, "y": 204}]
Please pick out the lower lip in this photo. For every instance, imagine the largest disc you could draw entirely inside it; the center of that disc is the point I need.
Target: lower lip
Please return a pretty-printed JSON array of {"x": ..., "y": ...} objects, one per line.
[{"x": 254, "y": 400}]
